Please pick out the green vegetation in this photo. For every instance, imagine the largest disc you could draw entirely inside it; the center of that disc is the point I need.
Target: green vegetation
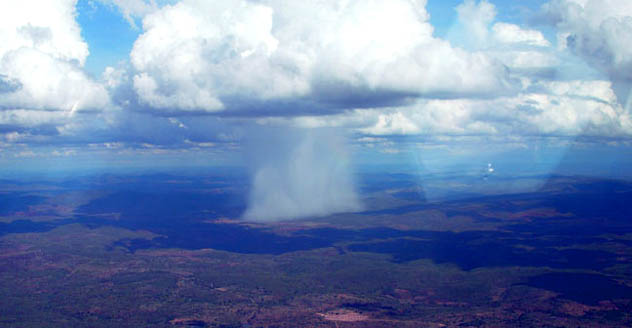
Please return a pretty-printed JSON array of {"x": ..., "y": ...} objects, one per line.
[{"x": 81, "y": 275}]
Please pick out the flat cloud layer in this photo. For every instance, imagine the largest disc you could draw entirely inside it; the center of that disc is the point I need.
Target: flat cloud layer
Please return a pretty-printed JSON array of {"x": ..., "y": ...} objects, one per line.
[{"x": 553, "y": 109}]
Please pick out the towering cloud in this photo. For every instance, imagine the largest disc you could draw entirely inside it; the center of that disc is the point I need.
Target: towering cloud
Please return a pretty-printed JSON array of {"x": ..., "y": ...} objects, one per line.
[
  {"x": 238, "y": 54},
  {"x": 41, "y": 55}
]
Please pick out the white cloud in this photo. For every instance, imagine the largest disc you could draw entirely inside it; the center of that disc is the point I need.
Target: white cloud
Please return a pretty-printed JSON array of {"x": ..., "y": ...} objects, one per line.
[
  {"x": 48, "y": 83},
  {"x": 114, "y": 77},
  {"x": 373, "y": 65},
  {"x": 204, "y": 55},
  {"x": 523, "y": 51},
  {"x": 474, "y": 28},
  {"x": 600, "y": 31},
  {"x": 392, "y": 123},
  {"x": 131, "y": 9},
  {"x": 474, "y": 19},
  {"x": 526, "y": 58},
  {"x": 193, "y": 53},
  {"x": 565, "y": 109},
  {"x": 32, "y": 118},
  {"x": 511, "y": 33},
  {"x": 41, "y": 53},
  {"x": 50, "y": 29}
]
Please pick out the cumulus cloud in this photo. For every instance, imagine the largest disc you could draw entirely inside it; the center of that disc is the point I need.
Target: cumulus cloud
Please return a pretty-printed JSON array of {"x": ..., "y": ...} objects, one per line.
[
  {"x": 132, "y": 9},
  {"x": 213, "y": 56},
  {"x": 474, "y": 18},
  {"x": 48, "y": 83},
  {"x": 542, "y": 107},
  {"x": 393, "y": 123},
  {"x": 526, "y": 52},
  {"x": 600, "y": 31},
  {"x": 298, "y": 174},
  {"x": 514, "y": 34},
  {"x": 373, "y": 67},
  {"x": 476, "y": 28},
  {"x": 191, "y": 54},
  {"x": 41, "y": 55}
]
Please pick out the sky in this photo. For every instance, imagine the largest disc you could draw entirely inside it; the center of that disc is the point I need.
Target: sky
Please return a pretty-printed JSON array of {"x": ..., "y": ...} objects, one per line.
[{"x": 530, "y": 86}]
